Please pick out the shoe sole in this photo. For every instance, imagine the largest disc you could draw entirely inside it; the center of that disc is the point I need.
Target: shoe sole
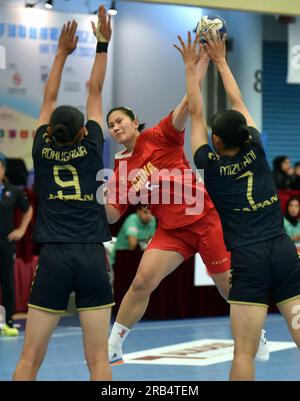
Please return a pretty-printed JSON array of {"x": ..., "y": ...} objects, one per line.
[
  {"x": 117, "y": 362},
  {"x": 9, "y": 335}
]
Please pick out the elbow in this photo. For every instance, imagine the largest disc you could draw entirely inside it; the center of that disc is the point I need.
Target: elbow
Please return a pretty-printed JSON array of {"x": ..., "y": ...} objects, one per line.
[
  {"x": 30, "y": 212},
  {"x": 112, "y": 220},
  {"x": 112, "y": 214},
  {"x": 192, "y": 110},
  {"x": 28, "y": 215},
  {"x": 95, "y": 89},
  {"x": 195, "y": 113}
]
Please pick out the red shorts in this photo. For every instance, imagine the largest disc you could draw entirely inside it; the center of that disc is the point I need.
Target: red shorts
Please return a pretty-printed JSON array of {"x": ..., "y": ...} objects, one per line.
[{"x": 204, "y": 236}]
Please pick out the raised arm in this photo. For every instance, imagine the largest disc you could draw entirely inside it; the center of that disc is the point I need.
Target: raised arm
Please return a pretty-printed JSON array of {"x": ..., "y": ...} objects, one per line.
[
  {"x": 103, "y": 35},
  {"x": 216, "y": 50},
  {"x": 190, "y": 53},
  {"x": 67, "y": 43},
  {"x": 181, "y": 113}
]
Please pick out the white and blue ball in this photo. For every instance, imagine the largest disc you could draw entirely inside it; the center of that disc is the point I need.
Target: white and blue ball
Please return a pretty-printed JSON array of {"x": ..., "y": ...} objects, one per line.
[{"x": 213, "y": 23}]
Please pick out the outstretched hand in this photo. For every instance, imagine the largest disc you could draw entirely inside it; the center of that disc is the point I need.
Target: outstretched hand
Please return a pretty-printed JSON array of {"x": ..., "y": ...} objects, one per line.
[
  {"x": 67, "y": 41},
  {"x": 190, "y": 52},
  {"x": 215, "y": 46},
  {"x": 103, "y": 30}
]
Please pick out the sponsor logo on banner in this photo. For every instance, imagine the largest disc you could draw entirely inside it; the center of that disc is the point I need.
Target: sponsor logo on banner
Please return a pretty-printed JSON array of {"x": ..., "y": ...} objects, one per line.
[
  {"x": 12, "y": 133},
  {"x": 17, "y": 79},
  {"x": 2, "y": 134},
  {"x": 24, "y": 134},
  {"x": 194, "y": 353}
]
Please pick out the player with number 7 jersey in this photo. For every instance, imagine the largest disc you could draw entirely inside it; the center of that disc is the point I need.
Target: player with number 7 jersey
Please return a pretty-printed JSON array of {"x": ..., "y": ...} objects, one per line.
[{"x": 239, "y": 180}]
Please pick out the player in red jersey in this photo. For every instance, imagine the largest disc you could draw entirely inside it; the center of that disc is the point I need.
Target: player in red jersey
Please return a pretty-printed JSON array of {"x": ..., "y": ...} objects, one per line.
[{"x": 150, "y": 162}]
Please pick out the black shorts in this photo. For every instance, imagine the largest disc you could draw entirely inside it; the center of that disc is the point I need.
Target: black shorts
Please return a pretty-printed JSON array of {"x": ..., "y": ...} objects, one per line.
[
  {"x": 64, "y": 268},
  {"x": 263, "y": 270}
]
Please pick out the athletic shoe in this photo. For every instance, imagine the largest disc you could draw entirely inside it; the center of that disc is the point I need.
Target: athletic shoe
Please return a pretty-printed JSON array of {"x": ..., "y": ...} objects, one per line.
[
  {"x": 115, "y": 355},
  {"x": 9, "y": 331}
]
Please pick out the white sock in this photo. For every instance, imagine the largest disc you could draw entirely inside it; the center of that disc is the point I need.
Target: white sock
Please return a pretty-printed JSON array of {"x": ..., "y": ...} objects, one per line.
[{"x": 118, "y": 335}]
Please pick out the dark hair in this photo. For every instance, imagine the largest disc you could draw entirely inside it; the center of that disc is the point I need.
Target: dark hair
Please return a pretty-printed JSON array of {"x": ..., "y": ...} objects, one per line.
[
  {"x": 277, "y": 162},
  {"x": 291, "y": 219},
  {"x": 141, "y": 206},
  {"x": 231, "y": 127},
  {"x": 297, "y": 164},
  {"x": 66, "y": 122},
  {"x": 128, "y": 112}
]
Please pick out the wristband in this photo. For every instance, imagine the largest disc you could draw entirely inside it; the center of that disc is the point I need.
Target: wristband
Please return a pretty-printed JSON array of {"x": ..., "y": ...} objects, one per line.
[{"x": 102, "y": 47}]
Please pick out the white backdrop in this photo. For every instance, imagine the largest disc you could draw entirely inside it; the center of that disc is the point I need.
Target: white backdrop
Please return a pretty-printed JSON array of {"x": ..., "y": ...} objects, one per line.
[{"x": 30, "y": 37}]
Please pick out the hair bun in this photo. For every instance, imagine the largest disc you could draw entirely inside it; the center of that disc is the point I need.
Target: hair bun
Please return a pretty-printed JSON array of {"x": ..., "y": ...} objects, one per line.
[
  {"x": 60, "y": 128},
  {"x": 244, "y": 131},
  {"x": 60, "y": 132}
]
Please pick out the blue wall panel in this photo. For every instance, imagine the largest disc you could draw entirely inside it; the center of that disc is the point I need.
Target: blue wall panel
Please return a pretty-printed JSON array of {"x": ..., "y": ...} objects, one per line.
[{"x": 281, "y": 104}]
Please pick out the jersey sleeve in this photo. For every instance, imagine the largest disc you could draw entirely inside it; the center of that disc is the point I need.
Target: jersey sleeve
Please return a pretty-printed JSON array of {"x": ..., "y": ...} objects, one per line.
[
  {"x": 131, "y": 228},
  {"x": 255, "y": 137},
  {"x": 205, "y": 157},
  {"x": 22, "y": 202},
  {"x": 166, "y": 132},
  {"x": 40, "y": 138},
  {"x": 94, "y": 134}
]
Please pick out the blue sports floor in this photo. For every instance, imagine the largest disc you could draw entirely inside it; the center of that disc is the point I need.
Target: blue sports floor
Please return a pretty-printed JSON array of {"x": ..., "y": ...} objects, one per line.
[{"x": 65, "y": 361}]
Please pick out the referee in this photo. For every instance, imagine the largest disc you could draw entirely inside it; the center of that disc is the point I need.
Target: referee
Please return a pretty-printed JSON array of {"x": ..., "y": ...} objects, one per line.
[{"x": 10, "y": 199}]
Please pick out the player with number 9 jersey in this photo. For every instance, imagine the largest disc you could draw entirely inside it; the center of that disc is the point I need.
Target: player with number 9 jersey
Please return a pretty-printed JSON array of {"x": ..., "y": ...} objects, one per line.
[
  {"x": 65, "y": 178},
  {"x": 71, "y": 225}
]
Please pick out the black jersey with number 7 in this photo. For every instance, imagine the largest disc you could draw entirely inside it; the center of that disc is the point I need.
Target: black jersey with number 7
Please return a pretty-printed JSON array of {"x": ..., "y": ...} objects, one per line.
[{"x": 244, "y": 193}]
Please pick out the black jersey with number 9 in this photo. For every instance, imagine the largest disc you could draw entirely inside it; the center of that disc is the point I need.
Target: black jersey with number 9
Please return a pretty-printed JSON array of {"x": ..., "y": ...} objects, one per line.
[{"x": 65, "y": 180}]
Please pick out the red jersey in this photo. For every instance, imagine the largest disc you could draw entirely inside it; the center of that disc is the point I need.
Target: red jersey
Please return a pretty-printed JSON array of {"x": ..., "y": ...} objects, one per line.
[{"x": 158, "y": 174}]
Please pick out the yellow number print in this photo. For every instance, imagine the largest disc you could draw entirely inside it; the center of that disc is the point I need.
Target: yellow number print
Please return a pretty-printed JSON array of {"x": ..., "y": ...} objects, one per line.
[
  {"x": 249, "y": 175},
  {"x": 66, "y": 184}
]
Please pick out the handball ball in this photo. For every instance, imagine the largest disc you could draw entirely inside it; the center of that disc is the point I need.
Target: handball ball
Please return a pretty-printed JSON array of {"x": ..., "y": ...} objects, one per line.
[{"x": 213, "y": 22}]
